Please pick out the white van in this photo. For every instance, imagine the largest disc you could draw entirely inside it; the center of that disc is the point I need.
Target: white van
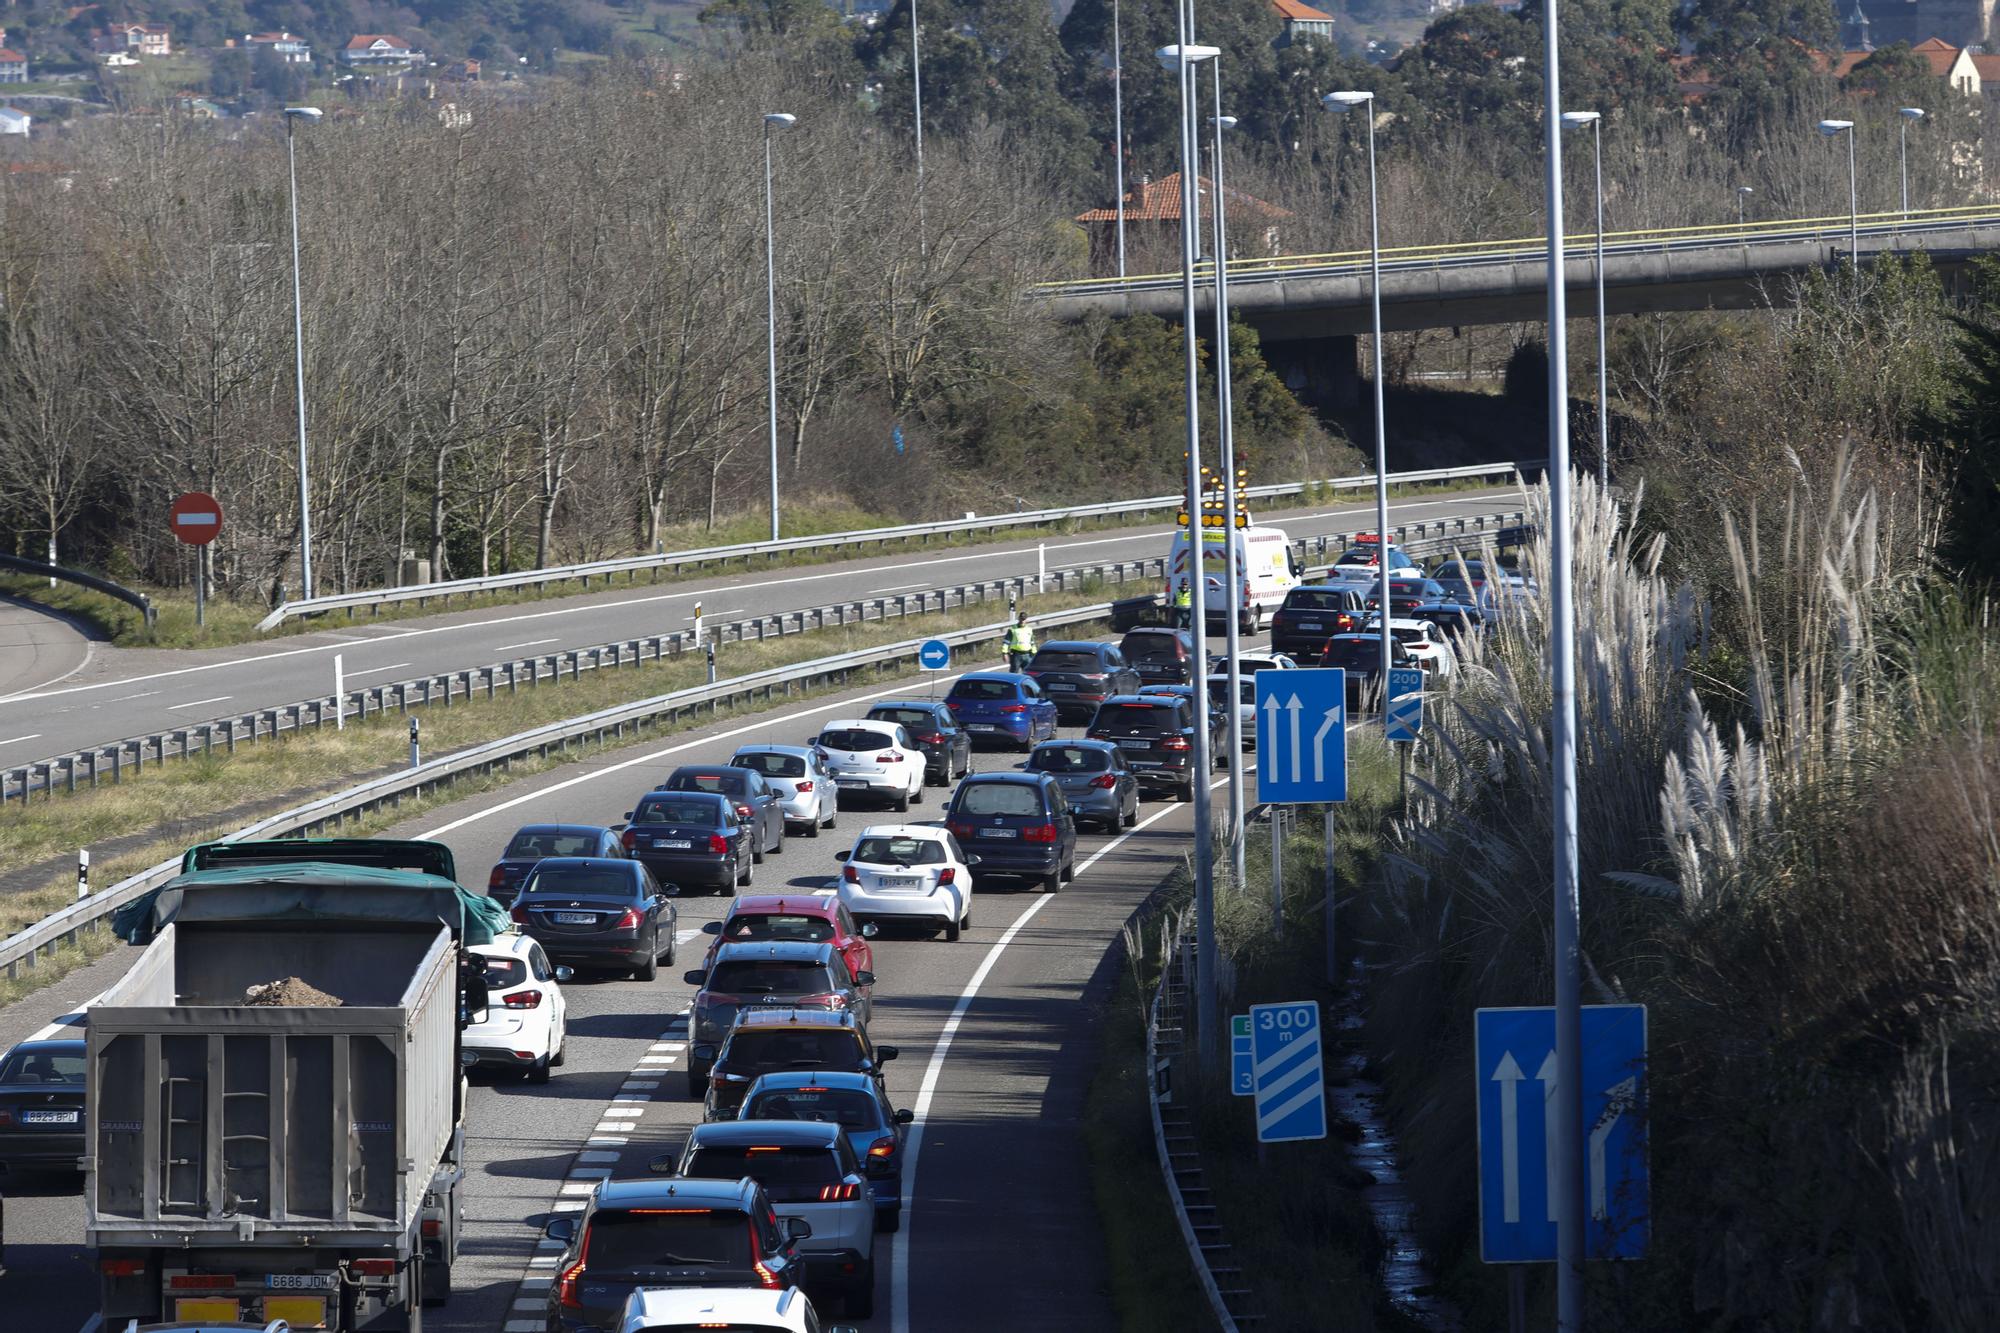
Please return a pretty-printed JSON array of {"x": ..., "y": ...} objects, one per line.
[{"x": 1267, "y": 573}]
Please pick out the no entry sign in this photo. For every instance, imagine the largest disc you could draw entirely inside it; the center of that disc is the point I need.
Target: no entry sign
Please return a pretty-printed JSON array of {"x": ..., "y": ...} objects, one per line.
[{"x": 195, "y": 518}]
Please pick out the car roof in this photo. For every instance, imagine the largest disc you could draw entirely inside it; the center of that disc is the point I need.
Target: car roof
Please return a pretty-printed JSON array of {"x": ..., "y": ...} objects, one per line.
[
  {"x": 47, "y": 1044},
  {"x": 1008, "y": 676},
  {"x": 902, "y": 703},
  {"x": 706, "y": 770},
  {"x": 795, "y": 751},
  {"x": 802, "y": 951},
  {"x": 1074, "y": 645},
  {"x": 724, "y": 1307},
  {"x": 507, "y": 944},
  {"x": 775, "y": 1016},
  {"x": 754, "y": 904},
  {"x": 665, "y": 794},
  {"x": 1122, "y": 699},
  {"x": 559, "y": 862},
  {"x": 928, "y": 831},
  {"x": 1016, "y": 779},
  {"x": 858, "y": 722},
  {"x": 1079, "y": 744},
  {"x": 560, "y": 828},
  {"x": 849, "y": 1080},
  {"x": 815, "y": 1133},
  {"x": 641, "y": 1193}
]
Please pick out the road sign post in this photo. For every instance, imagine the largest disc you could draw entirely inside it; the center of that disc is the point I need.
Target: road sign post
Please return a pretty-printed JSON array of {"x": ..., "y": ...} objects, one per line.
[
  {"x": 1405, "y": 703},
  {"x": 1302, "y": 736},
  {"x": 1520, "y": 1143},
  {"x": 1242, "y": 1068},
  {"x": 195, "y": 518},
  {"x": 934, "y": 655},
  {"x": 1286, "y": 1065}
]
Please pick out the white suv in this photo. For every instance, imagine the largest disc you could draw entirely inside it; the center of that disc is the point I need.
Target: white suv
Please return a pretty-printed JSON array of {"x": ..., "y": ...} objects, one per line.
[
  {"x": 809, "y": 1171},
  {"x": 672, "y": 1309},
  {"x": 873, "y": 758},
  {"x": 526, "y": 1024}
]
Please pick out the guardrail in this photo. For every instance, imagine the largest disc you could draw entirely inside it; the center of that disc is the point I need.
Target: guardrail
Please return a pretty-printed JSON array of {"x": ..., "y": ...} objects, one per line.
[
  {"x": 632, "y": 566},
  {"x": 21, "y": 950},
  {"x": 93, "y": 766},
  {"x": 82, "y": 580}
]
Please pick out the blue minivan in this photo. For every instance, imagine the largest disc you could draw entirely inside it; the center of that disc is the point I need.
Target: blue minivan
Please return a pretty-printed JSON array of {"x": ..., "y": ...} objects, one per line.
[
  {"x": 1002, "y": 707},
  {"x": 1019, "y": 825}
]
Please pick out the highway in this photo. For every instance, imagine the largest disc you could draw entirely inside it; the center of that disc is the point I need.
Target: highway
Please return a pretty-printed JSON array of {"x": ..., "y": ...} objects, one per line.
[
  {"x": 130, "y": 692},
  {"x": 997, "y": 1034}
]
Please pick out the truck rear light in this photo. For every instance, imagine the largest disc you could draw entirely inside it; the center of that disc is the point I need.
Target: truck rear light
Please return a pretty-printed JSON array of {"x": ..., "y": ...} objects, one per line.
[
  {"x": 121, "y": 1267},
  {"x": 523, "y": 999},
  {"x": 1039, "y": 833},
  {"x": 718, "y": 844},
  {"x": 201, "y": 1282},
  {"x": 850, "y": 874},
  {"x": 1105, "y": 780},
  {"x": 841, "y": 1193},
  {"x": 432, "y": 1227},
  {"x": 373, "y": 1267},
  {"x": 948, "y": 875}
]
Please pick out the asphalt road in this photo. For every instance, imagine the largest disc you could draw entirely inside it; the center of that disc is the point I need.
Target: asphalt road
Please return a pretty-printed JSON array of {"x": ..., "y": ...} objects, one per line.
[
  {"x": 129, "y": 692},
  {"x": 997, "y": 1039},
  {"x": 38, "y": 648}
]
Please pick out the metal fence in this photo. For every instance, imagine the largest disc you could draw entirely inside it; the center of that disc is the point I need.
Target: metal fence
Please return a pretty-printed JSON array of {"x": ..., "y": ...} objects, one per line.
[
  {"x": 15, "y": 564},
  {"x": 632, "y": 566}
]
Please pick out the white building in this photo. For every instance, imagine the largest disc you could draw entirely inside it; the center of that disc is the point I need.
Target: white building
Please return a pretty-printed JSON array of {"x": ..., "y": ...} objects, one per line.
[
  {"x": 15, "y": 122},
  {"x": 380, "y": 51}
]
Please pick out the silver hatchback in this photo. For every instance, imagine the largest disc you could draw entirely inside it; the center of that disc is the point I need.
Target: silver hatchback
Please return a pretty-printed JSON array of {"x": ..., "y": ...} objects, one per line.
[
  {"x": 798, "y": 776},
  {"x": 1095, "y": 779}
]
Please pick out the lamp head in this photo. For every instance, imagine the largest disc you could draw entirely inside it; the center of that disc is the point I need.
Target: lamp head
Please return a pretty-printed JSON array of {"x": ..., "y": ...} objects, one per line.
[
  {"x": 1171, "y": 58},
  {"x": 1225, "y": 122},
  {"x": 305, "y": 113},
  {"x": 1910, "y": 112},
  {"x": 1746, "y": 189},
  {"x": 1832, "y": 127},
  {"x": 1342, "y": 101},
  {"x": 1573, "y": 120},
  {"x": 779, "y": 120}
]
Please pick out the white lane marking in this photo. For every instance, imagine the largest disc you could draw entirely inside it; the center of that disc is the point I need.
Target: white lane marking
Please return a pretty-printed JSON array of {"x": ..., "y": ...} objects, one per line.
[
  {"x": 846, "y": 572},
  {"x": 531, "y": 643},
  {"x": 899, "y": 1255},
  {"x": 31, "y": 736},
  {"x": 220, "y": 698},
  {"x": 375, "y": 671},
  {"x": 900, "y": 587},
  {"x": 122, "y": 699}
]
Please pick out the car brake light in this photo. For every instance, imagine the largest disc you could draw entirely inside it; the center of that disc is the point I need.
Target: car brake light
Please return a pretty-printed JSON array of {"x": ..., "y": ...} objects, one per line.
[
  {"x": 959, "y": 828},
  {"x": 743, "y": 812},
  {"x": 629, "y": 921},
  {"x": 883, "y": 1147},
  {"x": 496, "y": 879},
  {"x": 201, "y": 1281},
  {"x": 566, "y": 1285},
  {"x": 718, "y": 844},
  {"x": 121, "y": 1267},
  {"x": 948, "y": 875},
  {"x": 850, "y": 874},
  {"x": 930, "y": 738},
  {"x": 1105, "y": 780},
  {"x": 891, "y": 757},
  {"x": 523, "y": 999},
  {"x": 953, "y": 704},
  {"x": 629, "y": 839},
  {"x": 840, "y": 1193},
  {"x": 804, "y": 787},
  {"x": 520, "y": 915},
  {"x": 1174, "y": 743},
  {"x": 6, "y": 1117},
  {"x": 1013, "y": 708},
  {"x": 1039, "y": 833}
]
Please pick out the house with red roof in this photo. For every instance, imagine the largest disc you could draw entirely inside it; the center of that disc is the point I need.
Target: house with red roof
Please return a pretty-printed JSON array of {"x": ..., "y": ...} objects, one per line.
[
  {"x": 1153, "y": 215},
  {"x": 287, "y": 47},
  {"x": 135, "y": 39},
  {"x": 13, "y": 66},
  {"x": 374, "y": 50},
  {"x": 1302, "y": 23}
]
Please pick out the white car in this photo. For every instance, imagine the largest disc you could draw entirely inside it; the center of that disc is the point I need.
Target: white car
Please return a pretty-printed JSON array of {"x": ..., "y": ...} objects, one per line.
[
  {"x": 675, "y": 1309},
  {"x": 1361, "y": 558},
  {"x": 873, "y": 758},
  {"x": 908, "y": 872},
  {"x": 526, "y": 1025},
  {"x": 1249, "y": 664},
  {"x": 798, "y": 778},
  {"x": 1426, "y": 643},
  {"x": 1246, "y": 704},
  {"x": 810, "y": 1172}
]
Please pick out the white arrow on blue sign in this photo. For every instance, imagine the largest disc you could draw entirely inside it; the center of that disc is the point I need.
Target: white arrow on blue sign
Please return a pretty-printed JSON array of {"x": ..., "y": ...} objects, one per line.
[
  {"x": 1302, "y": 736},
  {"x": 1285, "y": 1063},
  {"x": 1242, "y": 1067},
  {"x": 1517, "y": 1132},
  {"x": 1406, "y": 703},
  {"x": 934, "y": 655}
]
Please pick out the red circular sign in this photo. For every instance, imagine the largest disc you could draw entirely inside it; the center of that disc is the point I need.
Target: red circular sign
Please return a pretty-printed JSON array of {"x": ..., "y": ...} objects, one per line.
[{"x": 195, "y": 518}]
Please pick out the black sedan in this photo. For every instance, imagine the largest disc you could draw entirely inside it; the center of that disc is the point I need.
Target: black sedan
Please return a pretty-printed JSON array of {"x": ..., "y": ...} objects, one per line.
[
  {"x": 756, "y": 803},
  {"x": 594, "y": 912},
  {"x": 947, "y": 746},
  {"x": 532, "y": 842},
  {"x": 41, "y": 1106},
  {"x": 691, "y": 838}
]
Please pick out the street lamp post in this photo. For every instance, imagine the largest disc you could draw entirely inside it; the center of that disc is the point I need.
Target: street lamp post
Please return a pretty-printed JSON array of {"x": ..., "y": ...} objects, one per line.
[
  {"x": 1574, "y": 120},
  {"x": 294, "y": 113},
  {"x": 917, "y": 95},
  {"x": 1117, "y": 126},
  {"x": 1743, "y": 193},
  {"x": 1342, "y": 101},
  {"x": 1830, "y": 128},
  {"x": 1235, "y": 573},
  {"x": 1908, "y": 114},
  {"x": 776, "y": 120},
  {"x": 1182, "y": 60}
]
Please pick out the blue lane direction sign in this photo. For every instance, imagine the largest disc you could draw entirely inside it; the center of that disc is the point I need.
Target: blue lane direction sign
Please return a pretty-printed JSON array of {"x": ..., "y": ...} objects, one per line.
[
  {"x": 1302, "y": 736},
  {"x": 1406, "y": 703},
  {"x": 934, "y": 655},
  {"x": 1285, "y": 1064},
  {"x": 1515, "y": 1073},
  {"x": 1242, "y": 1067}
]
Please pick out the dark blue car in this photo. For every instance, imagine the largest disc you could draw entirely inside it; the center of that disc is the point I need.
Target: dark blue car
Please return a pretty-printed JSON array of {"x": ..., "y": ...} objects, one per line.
[
  {"x": 857, "y": 1103},
  {"x": 532, "y": 842},
  {"x": 1002, "y": 707},
  {"x": 1019, "y": 825}
]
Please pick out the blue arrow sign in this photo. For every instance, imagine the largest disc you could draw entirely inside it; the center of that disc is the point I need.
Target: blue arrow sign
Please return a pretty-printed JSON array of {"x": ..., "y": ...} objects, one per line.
[
  {"x": 1515, "y": 1077},
  {"x": 1406, "y": 703},
  {"x": 1302, "y": 736},
  {"x": 1285, "y": 1064},
  {"x": 1242, "y": 1068},
  {"x": 934, "y": 655}
]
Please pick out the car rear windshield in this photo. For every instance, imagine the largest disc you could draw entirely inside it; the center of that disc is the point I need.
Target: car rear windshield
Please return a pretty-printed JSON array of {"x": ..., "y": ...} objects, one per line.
[
  {"x": 1132, "y": 719},
  {"x": 724, "y": 783},
  {"x": 918, "y": 719},
  {"x": 983, "y": 689},
  {"x": 778, "y": 926},
  {"x": 772, "y": 765},
  {"x": 602, "y": 881},
  {"x": 762, "y": 1050},
  {"x": 768, "y": 976},
  {"x": 527, "y": 845},
  {"x": 1317, "y": 599},
  {"x": 1355, "y": 654},
  {"x": 789, "y": 1172},
  {"x": 1068, "y": 759},
  {"x": 999, "y": 798},
  {"x": 43, "y": 1066},
  {"x": 1053, "y": 659},
  {"x": 621, "y": 1242},
  {"x": 846, "y": 1107},
  {"x": 702, "y": 814},
  {"x": 899, "y": 852},
  {"x": 855, "y": 739},
  {"x": 503, "y": 972},
  {"x": 1153, "y": 648}
]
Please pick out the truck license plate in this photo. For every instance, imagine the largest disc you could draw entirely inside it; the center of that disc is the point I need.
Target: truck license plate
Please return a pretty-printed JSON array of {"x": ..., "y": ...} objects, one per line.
[
  {"x": 576, "y": 918},
  {"x": 301, "y": 1281}
]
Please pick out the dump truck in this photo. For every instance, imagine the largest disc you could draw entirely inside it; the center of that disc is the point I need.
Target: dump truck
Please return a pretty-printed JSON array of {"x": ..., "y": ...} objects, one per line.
[{"x": 291, "y": 1151}]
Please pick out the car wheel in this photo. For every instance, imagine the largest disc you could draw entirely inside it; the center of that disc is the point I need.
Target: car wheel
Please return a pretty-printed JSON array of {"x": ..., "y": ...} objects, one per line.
[
  {"x": 951, "y": 931},
  {"x": 650, "y": 969},
  {"x": 833, "y": 820},
  {"x": 697, "y": 1085},
  {"x": 812, "y": 827},
  {"x": 756, "y": 851},
  {"x": 1052, "y": 883},
  {"x": 673, "y": 947},
  {"x": 902, "y": 800},
  {"x": 1068, "y": 871},
  {"x": 917, "y": 796},
  {"x": 778, "y": 847},
  {"x": 744, "y": 870},
  {"x": 861, "y": 1296},
  {"x": 1184, "y": 794},
  {"x": 562, "y": 1048},
  {"x": 538, "y": 1072},
  {"x": 890, "y": 1220},
  {"x": 1132, "y": 815}
]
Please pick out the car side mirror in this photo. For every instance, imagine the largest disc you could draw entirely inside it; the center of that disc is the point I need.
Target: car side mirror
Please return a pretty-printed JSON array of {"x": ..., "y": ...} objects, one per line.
[
  {"x": 864, "y": 978},
  {"x": 884, "y": 1054},
  {"x": 840, "y": 856},
  {"x": 628, "y": 816},
  {"x": 711, "y": 927},
  {"x": 905, "y": 1117},
  {"x": 797, "y": 1228},
  {"x": 870, "y": 931},
  {"x": 561, "y": 1228},
  {"x": 663, "y": 1165},
  {"x": 670, "y": 890},
  {"x": 971, "y": 860},
  {"x": 705, "y": 1051},
  {"x": 694, "y": 977},
  {"x": 565, "y": 974}
]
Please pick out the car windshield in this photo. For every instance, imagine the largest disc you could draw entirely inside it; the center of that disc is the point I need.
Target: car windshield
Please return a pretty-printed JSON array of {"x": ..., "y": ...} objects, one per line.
[
  {"x": 503, "y": 972},
  {"x": 1355, "y": 654},
  {"x": 1056, "y": 659},
  {"x": 1153, "y": 648},
  {"x": 919, "y": 718},
  {"x": 984, "y": 689},
  {"x": 549, "y": 843},
  {"x": 768, "y": 976},
  {"x": 1408, "y": 634},
  {"x": 603, "y": 881},
  {"x": 1457, "y": 589},
  {"x": 999, "y": 798},
  {"x": 900, "y": 851},
  {"x": 1130, "y": 719},
  {"x": 1068, "y": 759},
  {"x": 700, "y": 813},
  {"x": 729, "y": 784},
  {"x": 849, "y": 1108},
  {"x": 772, "y": 765},
  {"x": 855, "y": 739},
  {"x": 1218, "y": 690},
  {"x": 778, "y": 926},
  {"x": 1317, "y": 599},
  {"x": 765, "y": 1049},
  {"x": 789, "y": 1172},
  {"x": 668, "y": 1238},
  {"x": 43, "y": 1065}
]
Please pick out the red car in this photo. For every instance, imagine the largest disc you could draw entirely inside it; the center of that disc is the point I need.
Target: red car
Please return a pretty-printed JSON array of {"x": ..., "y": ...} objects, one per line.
[{"x": 817, "y": 918}]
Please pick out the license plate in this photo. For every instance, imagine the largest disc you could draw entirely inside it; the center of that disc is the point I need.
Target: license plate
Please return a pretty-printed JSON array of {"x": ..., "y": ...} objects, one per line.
[
  {"x": 1134, "y": 743},
  {"x": 900, "y": 882},
  {"x": 999, "y": 833},
  {"x": 980, "y": 726},
  {"x": 674, "y": 844},
  {"x": 298, "y": 1311},
  {"x": 301, "y": 1281},
  {"x": 49, "y": 1117},
  {"x": 849, "y": 782},
  {"x": 1057, "y": 685},
  {"x": 576, "y": 918},
  {"x": 1310, "y": 624}
]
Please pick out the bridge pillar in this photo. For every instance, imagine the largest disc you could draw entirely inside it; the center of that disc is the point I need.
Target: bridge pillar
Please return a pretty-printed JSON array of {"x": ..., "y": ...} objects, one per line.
[{"x": 1325, "y": 372}]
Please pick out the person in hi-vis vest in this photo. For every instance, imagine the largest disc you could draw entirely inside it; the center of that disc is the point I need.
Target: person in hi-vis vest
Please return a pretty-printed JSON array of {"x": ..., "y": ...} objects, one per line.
[{"x": 1020, "y": 643}]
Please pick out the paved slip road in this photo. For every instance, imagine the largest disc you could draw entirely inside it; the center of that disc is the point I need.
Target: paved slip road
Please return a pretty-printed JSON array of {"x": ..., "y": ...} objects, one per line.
[
  {"x": 38, "y": 649},
  {"x": 129, "y": 692},
  {"x": 999, "y": 1232}
]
